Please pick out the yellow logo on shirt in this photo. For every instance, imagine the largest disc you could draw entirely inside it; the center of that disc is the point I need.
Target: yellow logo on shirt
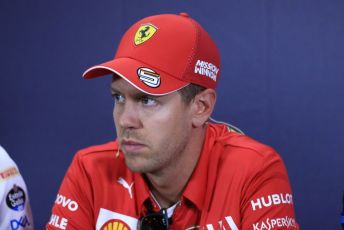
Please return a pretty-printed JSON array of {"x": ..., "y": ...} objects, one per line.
[
  {"x": 144, "y": 33},
  {"x": 115, "y": 225}
]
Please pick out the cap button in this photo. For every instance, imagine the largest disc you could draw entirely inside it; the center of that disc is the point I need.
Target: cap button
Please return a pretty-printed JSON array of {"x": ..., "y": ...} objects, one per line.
[{"x": 184, "y": 14}]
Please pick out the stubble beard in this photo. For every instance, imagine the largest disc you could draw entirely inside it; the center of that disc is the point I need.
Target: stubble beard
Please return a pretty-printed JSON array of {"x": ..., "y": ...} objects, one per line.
[{"x": 155, "y": 161}]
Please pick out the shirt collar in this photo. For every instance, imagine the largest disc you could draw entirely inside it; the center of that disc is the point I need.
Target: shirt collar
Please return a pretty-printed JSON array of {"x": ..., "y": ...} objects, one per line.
[
  {"x": 201, "y": 179},
  {"x": 196, "y": 188},
  {"x": 142, "y": 192}
]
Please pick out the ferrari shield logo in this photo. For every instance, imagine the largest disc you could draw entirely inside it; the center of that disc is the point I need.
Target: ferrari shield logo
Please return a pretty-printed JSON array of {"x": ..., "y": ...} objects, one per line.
[{"x": 144, "y": 33}]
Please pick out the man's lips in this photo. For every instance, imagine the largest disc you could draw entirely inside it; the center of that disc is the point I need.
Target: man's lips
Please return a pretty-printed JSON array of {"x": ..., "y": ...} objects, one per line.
[{"x": 131, "y": 146}]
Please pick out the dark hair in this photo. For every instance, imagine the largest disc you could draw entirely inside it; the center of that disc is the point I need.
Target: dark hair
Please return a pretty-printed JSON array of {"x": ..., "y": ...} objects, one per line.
[{"x": 189, "y": 92}]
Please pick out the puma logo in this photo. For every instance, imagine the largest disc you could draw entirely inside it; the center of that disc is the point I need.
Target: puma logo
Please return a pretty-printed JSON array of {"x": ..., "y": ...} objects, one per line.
[{"x": 125, "y": 184}]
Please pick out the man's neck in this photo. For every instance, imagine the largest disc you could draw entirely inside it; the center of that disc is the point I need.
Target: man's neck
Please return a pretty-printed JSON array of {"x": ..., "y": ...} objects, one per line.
[{"x": 168, "y": 184}]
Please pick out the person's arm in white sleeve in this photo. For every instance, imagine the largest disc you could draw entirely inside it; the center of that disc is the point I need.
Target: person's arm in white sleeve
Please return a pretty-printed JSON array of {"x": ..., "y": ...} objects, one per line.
[{"x": 15, "y": 210}]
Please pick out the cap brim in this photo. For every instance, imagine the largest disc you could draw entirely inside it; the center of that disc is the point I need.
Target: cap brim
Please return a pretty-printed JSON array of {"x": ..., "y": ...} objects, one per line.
[{"x": 144, "y": 77}]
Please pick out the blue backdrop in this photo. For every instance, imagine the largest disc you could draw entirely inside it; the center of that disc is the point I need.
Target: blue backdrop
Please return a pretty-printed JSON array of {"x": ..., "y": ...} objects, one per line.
[{"x": 282, "y": 82}]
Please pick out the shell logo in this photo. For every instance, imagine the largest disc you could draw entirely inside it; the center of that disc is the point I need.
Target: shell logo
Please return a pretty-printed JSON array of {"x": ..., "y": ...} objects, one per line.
[{"x": 115, "y": 225}]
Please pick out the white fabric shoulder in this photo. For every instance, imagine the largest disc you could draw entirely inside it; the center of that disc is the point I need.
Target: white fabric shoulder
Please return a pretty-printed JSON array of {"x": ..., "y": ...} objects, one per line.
[
  {"x": 15, "y": 211},
  {"x": 5, "y": 160}
]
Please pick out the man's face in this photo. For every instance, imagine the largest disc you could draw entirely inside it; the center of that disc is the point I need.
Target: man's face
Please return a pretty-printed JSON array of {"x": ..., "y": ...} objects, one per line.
[{"x": 153, "y": 132}]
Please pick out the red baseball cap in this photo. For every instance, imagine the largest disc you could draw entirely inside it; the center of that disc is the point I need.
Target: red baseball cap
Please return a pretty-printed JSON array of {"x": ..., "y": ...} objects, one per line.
[{"x": 163, "y": 53}]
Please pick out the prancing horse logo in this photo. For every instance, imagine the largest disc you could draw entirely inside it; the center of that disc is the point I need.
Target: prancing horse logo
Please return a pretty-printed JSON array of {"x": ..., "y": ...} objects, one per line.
[{"x": 144, "y": 33}]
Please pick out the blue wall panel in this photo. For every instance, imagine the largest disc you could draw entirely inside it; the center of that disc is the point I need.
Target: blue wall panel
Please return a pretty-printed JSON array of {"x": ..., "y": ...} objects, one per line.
[{"x": 282, "y": 82}]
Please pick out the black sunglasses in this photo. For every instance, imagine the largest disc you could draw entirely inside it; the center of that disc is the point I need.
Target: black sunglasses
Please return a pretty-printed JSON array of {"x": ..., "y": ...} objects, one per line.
[{"x": 154, "y": 221}]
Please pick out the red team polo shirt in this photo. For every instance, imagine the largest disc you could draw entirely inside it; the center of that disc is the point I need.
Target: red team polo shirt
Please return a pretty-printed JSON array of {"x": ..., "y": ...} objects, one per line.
[{"x": 238, "y": 183}]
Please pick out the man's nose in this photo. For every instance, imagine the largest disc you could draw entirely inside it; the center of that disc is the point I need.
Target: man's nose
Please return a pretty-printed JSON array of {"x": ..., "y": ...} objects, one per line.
[{"x": 128, "y": 115}]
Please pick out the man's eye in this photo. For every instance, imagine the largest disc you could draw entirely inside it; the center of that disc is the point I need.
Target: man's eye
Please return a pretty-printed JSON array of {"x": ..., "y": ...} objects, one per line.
[
  {"x": 118, "y": 98},
  {"x": 148, "y": 101}
]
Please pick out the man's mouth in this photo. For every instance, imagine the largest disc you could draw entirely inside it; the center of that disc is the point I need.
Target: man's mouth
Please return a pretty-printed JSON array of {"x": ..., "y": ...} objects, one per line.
[{"x": 131, "y": 146}]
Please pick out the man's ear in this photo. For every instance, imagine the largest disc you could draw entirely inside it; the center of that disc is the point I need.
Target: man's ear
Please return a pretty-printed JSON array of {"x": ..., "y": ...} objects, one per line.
[{"x": 203, "y": 106}]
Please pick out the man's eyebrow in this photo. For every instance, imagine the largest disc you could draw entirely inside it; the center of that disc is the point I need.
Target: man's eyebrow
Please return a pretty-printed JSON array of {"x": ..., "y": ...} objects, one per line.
[
  {"x": 114, "y": 91},
  {"x": 136, "y": 95},
  {"x": 140, "y": 95}
]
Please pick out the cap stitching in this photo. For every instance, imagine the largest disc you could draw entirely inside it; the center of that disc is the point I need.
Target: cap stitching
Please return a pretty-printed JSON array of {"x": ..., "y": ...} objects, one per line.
[
  {"x": 152, "y": 66},
  {"x": 194, "y": 48},
  {"x": 126, "y": 79}
]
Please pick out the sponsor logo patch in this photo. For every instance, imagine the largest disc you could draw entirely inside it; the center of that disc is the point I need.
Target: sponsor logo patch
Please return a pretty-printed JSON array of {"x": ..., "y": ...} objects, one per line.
[
  {"x": 273, "y": 199},
  {"x": 276, "y": 223},
  {"x": 115, "y": 225},
  {"x": 8, "y": 173},
  {"x": 206, "y": 69},
  {"x": 15, "y": 198},
  {"x": 144, "y": 33},
  {"x": 107, "y": 217},
  {"x": 149, "y": 77},
  {"x": 58, "y": 222},
  {"x": 21, "y": 223},
  {"x": 64, "y": 202}
]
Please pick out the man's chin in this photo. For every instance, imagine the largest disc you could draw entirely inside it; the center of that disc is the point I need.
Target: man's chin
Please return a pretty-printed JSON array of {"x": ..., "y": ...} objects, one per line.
[{"x": 137, "y": 167}]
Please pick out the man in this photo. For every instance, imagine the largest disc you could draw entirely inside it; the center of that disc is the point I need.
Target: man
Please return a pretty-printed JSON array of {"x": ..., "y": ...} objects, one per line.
[
  {"x": 15, "y": 211},
  {"x": 170, "y": 168}
]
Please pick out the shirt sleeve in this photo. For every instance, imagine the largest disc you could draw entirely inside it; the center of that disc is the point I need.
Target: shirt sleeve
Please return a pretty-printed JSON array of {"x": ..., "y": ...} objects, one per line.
[
  {"x": 268, "y": 200},
  {"x": 15, "y": 211},
  {"x": 73, "y": 205}
]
